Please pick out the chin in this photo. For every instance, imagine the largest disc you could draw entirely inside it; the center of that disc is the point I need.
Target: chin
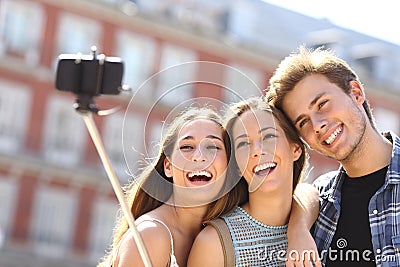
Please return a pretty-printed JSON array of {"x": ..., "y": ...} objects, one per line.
[{"x": 275, "y": 187}]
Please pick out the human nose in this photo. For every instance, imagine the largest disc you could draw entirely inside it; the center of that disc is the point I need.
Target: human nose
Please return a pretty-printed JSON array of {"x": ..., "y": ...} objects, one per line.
[
  {"x": 257, "y": 149},
  {"x": 198, "y": 155},
  {"x": 319, "y": 123}
]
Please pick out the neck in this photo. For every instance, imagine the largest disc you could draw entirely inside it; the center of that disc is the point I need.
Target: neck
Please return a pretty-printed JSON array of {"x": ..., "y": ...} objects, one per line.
[
  {"x": 373, "y": 154},
  {"x": 187, "y": 219},
  {"x": 271, "y": 210}
]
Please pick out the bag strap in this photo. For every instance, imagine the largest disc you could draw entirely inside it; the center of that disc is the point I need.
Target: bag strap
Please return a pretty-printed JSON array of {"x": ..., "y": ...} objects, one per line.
[{"x": 226, "y": 241}]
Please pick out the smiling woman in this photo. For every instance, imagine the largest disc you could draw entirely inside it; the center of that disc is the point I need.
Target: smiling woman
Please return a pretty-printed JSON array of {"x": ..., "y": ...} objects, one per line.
[
  {"x": 196, "y": 163},
  {"x": 269, "y": 156},
  {"x": 174, "y": 195}
]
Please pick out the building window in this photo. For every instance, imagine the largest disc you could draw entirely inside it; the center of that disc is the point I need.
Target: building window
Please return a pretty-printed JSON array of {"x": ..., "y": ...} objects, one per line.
[
  {"x": 77, "y": 34},
  {"x": 207, "y": 17},
  {"x": 15, "y": 101},
  {"x": 387, "y": 119},
  {"x": 368, "y": 64},
  {"x": 21, "y": 25},
  {"x": 242, "y": 82},
  {"x": 101, "y": 230},
  {"x": 324, "y": 46},
  {"x": 137, "y": 52},
  {"x": 116, "y": 126},
  {"x": 53, "y": 221},
  {"x": 368, "y": 61},
  {"x": 8, "y": 196},
  {"x": 65, "y": 134},
  {"x": 327, "y": 39},
  {"x": 174, "y": 81}
]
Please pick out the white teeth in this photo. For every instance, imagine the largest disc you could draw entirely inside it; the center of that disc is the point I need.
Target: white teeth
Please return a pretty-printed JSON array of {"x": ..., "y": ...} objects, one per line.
[
  {"x": 199, "y": 173},
  {"x": 264, "y": 166},
  {"x": 333, "y": 136}
]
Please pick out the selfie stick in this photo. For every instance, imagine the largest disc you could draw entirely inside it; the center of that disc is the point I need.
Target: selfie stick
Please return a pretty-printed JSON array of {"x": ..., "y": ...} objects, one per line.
[{"x": 86, "y": 107}]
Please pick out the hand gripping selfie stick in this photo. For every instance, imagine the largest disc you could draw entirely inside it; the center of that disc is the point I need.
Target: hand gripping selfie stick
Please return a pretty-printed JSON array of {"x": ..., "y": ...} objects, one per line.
[{"x": 89, "y": 76}]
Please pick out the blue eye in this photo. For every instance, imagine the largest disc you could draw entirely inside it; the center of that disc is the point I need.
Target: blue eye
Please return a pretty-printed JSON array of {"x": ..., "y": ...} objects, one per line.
[
  {"x": 268, "y": 136},
  {"x": 241, "y": 144},
  {"x": 213, "y": 147},
  {"x": 186, "y": 147}
]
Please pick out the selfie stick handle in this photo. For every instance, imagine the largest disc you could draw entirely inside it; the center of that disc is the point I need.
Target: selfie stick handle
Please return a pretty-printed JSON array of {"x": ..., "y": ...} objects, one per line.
[{"x": 94, "y": 133}]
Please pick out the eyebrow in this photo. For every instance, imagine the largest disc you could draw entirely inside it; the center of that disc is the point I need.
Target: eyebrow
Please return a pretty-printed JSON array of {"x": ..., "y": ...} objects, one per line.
[
  {"x": 310, "y": 106},
  {"x": 189, "y": 137},
  {"x": 261, "y": 130}
]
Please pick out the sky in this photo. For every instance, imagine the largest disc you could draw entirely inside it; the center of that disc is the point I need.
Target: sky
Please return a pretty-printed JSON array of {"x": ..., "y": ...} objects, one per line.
[{"x": 380, "y": 19}]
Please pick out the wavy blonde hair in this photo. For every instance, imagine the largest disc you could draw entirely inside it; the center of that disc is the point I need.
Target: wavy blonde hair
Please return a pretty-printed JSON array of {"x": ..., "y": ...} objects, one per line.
[
  {"x": 239, "y": 194},
  {"x": 153, "y": 178}
]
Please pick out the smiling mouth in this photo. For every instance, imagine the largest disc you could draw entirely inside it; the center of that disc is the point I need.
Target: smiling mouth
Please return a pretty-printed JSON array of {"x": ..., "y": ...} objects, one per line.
[
  {"x": 261, "y": 172},
  {"x": 333, "y": 136},
  {"x": 199, "y": 176},
  {"x": 264, "y": 168}
]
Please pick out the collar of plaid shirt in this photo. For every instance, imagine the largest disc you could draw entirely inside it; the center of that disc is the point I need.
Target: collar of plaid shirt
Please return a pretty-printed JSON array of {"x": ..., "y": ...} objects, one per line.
[{"x": 384, "y": 211}]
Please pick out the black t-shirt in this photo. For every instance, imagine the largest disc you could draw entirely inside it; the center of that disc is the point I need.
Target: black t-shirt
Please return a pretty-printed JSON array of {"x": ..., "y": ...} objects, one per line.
[{"x": 352, "y": 244}]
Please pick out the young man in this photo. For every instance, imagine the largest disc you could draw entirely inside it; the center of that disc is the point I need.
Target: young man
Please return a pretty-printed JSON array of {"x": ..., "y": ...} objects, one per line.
[{"x": 359, "y": 220}]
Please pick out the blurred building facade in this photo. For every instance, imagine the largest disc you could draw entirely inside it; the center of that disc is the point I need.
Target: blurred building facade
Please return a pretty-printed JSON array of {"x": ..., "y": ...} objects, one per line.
[{"x": 57, "y": 207}]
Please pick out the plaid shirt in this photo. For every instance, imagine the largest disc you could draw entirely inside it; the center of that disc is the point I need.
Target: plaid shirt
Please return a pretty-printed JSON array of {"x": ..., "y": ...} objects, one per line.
[{"x": 384, "y": 212}]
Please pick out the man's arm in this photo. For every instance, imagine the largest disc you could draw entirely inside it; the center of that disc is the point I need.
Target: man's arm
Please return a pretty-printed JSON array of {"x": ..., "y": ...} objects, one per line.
[{"x": 302, "y": 250}]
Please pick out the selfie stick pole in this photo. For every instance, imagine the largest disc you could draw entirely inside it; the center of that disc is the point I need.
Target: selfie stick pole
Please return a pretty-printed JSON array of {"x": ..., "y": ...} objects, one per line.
[{"x": 94, "y": 134}]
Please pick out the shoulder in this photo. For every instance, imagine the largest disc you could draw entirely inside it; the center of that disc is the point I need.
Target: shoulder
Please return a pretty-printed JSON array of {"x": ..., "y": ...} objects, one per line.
[
  {"x": 206, "y": 249},
  {"x": 155, "y": 237},
  {"x": 209, "y": 233},
  {"x": 151, "y": 226},
  {"x": 154, "y": 231},
  {"x": 324, "y": 182},
  {"x": 395, "y": 140}
]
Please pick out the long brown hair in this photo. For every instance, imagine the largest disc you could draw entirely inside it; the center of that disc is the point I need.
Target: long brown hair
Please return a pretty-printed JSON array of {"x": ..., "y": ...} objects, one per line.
[
  {"x": 152, "y": 187},
  {"x": 239, "y": 194}
]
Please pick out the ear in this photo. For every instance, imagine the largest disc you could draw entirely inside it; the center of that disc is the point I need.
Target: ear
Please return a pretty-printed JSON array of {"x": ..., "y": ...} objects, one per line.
[
  {"x": 296, "y": 151},
  {"x": 357, "y": 92},
  {"x": 167, "y": 168}
]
